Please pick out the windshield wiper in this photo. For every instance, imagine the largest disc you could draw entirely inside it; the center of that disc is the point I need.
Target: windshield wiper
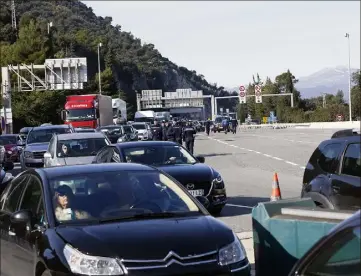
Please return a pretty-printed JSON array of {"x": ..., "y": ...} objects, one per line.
[{"x": 145, "y": 216}]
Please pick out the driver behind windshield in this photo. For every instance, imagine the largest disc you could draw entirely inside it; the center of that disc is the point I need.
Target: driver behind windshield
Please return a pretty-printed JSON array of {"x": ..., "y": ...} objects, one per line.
[{"x": 63, "y": 200}]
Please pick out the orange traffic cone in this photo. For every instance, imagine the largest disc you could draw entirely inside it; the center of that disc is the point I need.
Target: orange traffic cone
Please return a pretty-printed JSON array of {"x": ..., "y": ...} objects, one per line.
[{"x": 276, "y": 191}]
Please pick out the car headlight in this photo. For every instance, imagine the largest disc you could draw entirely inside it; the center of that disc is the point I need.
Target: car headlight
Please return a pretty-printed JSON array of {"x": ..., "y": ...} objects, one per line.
[
  {"x": 232, "y": 253},
  {"x": 28, "y": 154},
  {"x": 90, "y": 265},
  {"x": 120, "y": 140},
  {"x": 218, "y": 182}
]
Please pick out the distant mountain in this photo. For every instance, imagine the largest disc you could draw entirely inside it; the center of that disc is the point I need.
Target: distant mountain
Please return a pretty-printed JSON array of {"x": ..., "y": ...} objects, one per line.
[{"x": 328, "y": 80}]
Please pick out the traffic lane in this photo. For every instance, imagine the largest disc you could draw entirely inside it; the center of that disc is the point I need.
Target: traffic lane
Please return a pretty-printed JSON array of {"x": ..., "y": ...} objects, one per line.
[
  {"x": 248, "y": 179},
  {"x": 283, "y": 148}
]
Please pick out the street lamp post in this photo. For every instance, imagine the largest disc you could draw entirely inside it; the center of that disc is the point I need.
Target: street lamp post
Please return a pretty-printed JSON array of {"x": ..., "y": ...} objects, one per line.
[
  {"x": 50, "y": 24},
  {"x": 100, "y": 84},
  {"x": 347, "y": 35}
]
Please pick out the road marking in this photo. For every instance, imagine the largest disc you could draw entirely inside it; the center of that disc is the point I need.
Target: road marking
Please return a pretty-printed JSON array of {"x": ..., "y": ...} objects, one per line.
[
  {"x": 257, "y": 152},
  {"x": 291, "y": 163},
  {"x": 239, "y": 206},
  {"x": 289, "y": 140}
]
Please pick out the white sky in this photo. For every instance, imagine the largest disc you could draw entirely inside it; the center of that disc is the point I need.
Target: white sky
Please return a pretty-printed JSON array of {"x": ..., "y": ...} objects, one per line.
[{"x": 227, "y": 42}]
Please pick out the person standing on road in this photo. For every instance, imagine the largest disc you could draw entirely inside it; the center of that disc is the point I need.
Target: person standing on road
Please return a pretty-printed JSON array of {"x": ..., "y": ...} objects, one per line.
[
  {"x": 225, "y": 125},
  {"x": 169, "y": 133},
  {"x": 157, "y": 131},
  {"x": 208, "y": 126},
  {"x": 188, "y": 136},
  {"x": 234, "y": 124},
  {"x": 178, "y": 133}
]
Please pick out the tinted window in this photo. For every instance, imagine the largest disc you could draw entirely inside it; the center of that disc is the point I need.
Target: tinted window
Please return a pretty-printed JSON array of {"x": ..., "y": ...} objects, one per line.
[
  {"x": 14, "y": 194},
  {"x": 7, "y": 140},
  {"x": 80, "y": 147},
  {"x": 340, "y": 257},
  {"x": 127, "y": 129},
  {"x": 102, "y": 156},
  {"x": 328, "y": 156},
  {"x": 139, "y": 126},
  {"x": 32, "y": 196},
  {"x": 352, "y": 161}
]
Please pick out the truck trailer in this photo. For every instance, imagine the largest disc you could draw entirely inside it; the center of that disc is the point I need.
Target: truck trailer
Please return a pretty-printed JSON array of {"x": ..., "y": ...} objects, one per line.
[
  {"x": 146, "y": 116},
  {"x": 119, "y": 110},
  {"x": 88, "y": 111}
]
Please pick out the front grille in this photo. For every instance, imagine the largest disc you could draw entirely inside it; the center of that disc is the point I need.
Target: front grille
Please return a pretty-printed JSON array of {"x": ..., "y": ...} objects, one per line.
[
  {"x": 38, "y": 154},
  {"x": 170, "y": 259},
  {"x": 200, "y": 185}
]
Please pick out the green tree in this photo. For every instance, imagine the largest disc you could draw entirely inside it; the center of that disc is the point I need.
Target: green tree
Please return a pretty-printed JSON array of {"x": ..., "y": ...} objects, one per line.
[{"x": 356, "y": 95}]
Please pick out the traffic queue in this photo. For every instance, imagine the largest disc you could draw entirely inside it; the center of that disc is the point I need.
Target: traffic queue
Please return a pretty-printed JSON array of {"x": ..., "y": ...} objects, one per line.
[{"x": 112, "y": 202}]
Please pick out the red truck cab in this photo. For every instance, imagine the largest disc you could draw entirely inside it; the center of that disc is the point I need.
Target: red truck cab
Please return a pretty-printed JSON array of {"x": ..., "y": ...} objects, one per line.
[{"x": 87, "y": 111}]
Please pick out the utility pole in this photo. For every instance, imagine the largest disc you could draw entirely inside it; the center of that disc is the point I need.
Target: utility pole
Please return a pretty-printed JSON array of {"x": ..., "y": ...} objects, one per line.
[
  {"x": 100, "y": 84},
  {"x": 324, "y": 100},
  {"x": 347, "y": 35},
  {"x": 13, "y": 14}
]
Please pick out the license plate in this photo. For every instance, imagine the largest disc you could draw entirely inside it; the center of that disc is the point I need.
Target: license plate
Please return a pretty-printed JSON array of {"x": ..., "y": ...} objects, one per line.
[{"x": 196, "y": 192}]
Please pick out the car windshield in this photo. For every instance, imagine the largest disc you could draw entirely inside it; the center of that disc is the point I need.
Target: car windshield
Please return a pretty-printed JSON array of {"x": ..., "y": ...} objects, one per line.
[
  {"x": 8, "y": 140},
  {"x": 44, "y": 135},
  {"x": 139, "y": 126},
  {"x": 111, "y": 130},
  {"x": 80, "y": 114},
  {"x": 80, "y": 147},
  {"x": 118, "y": 195},
  {"x": 158, "y": 155}
]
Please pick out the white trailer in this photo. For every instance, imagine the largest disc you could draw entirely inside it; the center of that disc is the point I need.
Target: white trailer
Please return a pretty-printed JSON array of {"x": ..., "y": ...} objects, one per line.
[
  {"x": 144, "y": 116},
  {"x": 119, "y": 109}
]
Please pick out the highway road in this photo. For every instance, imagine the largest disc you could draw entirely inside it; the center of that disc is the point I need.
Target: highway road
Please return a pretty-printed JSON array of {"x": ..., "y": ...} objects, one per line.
[{"x": 247, "y": 162}]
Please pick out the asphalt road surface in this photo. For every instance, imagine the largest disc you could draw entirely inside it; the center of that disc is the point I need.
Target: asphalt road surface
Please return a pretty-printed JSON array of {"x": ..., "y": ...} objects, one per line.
[{"x": 247, "y": 162}]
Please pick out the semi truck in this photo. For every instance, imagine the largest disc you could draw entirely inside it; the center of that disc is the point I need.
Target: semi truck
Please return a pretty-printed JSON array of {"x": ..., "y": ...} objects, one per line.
[
  {"x": 147, "y": 116},
  {"x": 88, "y": 111},
  {"x": 119, "y": 110}
]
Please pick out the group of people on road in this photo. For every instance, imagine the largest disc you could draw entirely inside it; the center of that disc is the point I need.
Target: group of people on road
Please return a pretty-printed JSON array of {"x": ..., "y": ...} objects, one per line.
[
  {"x": 227, "y": 124},
  {"x": 176, "y": 132}
]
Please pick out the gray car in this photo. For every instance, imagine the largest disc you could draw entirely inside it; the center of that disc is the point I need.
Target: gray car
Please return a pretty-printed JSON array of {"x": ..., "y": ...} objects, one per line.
[
  {"x": 74, "y": 148},
  {"x": 144, "y": 130},
  {"x": 37, "y": 143}
]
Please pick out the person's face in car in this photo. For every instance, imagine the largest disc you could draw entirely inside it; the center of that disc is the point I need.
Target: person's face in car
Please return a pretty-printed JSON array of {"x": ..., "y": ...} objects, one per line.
[
  {"x": 64, "y": 149},
  {"x": 63, "y": 200}
]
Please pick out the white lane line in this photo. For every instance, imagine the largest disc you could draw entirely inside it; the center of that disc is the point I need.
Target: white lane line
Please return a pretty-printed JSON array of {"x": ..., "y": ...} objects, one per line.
[
  {"x": 289, "y": 140},
  {"x": 291, "y": 163},
  {"x": 277, "y": 158},
  {"x": 257, "y": 152},
  {"x": 239, "y": 206}
]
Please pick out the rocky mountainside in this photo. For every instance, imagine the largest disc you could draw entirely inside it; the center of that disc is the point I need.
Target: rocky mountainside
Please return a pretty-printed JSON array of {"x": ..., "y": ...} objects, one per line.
[{"x": 327, "y": 80}]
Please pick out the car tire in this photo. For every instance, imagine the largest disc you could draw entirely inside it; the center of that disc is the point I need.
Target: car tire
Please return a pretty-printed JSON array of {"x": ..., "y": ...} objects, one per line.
[
  {"x": 320, "y": 200},
  {"x": 216, "y": 211}
]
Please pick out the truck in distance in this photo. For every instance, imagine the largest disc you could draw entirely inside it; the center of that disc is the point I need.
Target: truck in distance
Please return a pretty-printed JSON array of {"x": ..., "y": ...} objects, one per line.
[
  {"x": 88, "y": 111},
  {"x": 119, "y": 110}
]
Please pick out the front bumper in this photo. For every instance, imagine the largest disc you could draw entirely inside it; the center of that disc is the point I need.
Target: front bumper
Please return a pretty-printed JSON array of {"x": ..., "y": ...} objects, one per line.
[
  {"x": 242, "y": 268},
  {"x": 32, "y": 163}
]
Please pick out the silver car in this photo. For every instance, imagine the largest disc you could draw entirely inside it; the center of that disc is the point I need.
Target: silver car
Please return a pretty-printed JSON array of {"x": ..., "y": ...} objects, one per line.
[
  {"x": 37, "y": 142},
  {"x": 74, "y": 148},
  {"x": 144, "y": 131}
]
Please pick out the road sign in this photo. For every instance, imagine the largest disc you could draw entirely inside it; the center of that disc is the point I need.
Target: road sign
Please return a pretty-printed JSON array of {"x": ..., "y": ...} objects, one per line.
[
  {"x": 242, "y": 94},
  {"x": 258, "y": 93}
]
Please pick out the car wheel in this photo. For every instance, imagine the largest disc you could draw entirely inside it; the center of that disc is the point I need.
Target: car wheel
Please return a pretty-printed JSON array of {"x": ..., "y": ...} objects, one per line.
[
  {"x": 320, "y": 200},
  {"x": 216, "y": 211}
]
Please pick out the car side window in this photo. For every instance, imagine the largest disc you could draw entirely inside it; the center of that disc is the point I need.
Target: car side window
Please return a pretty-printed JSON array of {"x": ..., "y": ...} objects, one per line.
[
  {"x": 339, "y": 257},
  {"x": 102, "y": 155},
  {"x": 14, "y": 194},
  {"x": 32, "y": 196},
  {"x": 351, "y": 164},
  {"x": 328, "y": 156}
]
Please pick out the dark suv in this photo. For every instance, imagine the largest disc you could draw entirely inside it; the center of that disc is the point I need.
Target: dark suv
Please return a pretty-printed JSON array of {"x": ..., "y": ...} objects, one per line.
[{"x": 332, "y": 177}]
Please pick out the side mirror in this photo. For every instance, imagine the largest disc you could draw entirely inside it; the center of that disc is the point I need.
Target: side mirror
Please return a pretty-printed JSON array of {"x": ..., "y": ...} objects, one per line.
[
  {"x": 201, "y": 159},
  {"x": 8, "y": 166},
  {"x": 63, "y": 114},
  {"x": 22, "y": 216},
  {"x": 47, "y": 155},
  {"x": 203, "y": 200}
]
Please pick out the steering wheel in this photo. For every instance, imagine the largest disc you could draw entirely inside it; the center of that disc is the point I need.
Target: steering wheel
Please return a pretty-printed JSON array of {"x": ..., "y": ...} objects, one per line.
[{"x": 148, "y": 205}]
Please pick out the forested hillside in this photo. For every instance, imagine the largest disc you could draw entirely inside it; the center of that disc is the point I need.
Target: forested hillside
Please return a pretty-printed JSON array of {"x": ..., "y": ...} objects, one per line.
[{"x": 127, "y": 64}]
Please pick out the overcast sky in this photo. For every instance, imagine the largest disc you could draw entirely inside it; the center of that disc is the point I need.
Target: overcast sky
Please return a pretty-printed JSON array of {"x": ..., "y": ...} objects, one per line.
[{"x": 227, "y": 42}]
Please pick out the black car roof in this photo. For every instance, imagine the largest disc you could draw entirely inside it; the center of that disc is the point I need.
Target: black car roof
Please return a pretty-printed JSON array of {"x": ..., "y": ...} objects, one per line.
[
  {"x": 145, "y": 144},
  {"x": 53, "y": 172},
  {"x": 352, "y": 138}
]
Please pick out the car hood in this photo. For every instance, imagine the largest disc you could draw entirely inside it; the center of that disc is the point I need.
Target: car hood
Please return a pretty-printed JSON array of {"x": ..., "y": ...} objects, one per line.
[
  {"x": 76, "y": 160},
  {"x": 188, "y": 173},
  {"x": 149, "y": 238},
  {"x": 37, "y": 147}
]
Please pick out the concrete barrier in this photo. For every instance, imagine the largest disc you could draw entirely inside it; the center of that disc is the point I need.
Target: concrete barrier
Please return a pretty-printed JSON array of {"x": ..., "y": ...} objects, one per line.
[{"x": 315, "y": 125}]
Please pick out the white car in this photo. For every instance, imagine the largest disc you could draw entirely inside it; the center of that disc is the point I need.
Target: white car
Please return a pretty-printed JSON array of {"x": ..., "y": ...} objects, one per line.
[{"x": 144, "y": 131}]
